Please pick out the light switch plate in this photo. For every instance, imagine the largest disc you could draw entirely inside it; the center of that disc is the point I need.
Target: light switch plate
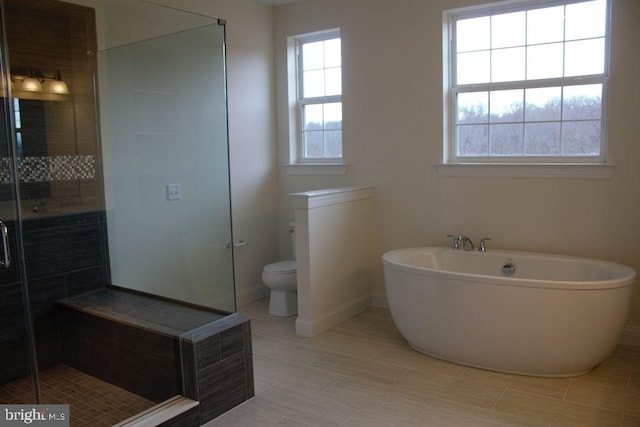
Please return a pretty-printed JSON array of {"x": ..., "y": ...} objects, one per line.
[{"x": 174, "y": 191}]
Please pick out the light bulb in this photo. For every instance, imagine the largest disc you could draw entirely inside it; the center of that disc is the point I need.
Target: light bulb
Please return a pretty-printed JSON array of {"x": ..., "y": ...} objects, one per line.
[
  {"x": 58, "y": 86},
  {"x": 31, "y": 84}
]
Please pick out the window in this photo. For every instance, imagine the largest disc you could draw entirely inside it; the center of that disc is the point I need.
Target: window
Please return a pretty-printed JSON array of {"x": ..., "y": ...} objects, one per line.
[
  {"x": 527, "y": 83},
  {"x": 319, "y": 89}
]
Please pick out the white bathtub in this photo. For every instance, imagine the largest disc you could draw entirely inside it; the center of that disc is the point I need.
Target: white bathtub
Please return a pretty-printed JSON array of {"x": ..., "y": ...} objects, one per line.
[{"x": 555, "y": 316}]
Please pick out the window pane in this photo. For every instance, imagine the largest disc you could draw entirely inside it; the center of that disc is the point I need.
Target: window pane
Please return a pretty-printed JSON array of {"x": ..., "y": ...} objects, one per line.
[
  {"x": 333, "y": 143},
  {"x": 545, "y": 25},
  {"x": 582, "y": 102},
  {"x": 542, "y": 104},
  {"x": 312, "y": 56},
  {"x": 473, "y": 67},
  {"x": 313, "y": 83},
  {"x": 585, "y": 20},
  {"x": 522, "y": 51},
  {"x": 508, "y": 30},
  {"x": 542, "y": 139},
  {"x": 584, "y": 57},
  {"x": 473, "y": 34},
  {"x": 473, "y": 140},
  {"x": 473, "y": 107},
  {"x": 506, "y": 140},
  {"x": 313, "y": 144},
  {"x": 333, "y": 81},
  {"x": 581, "y": 138},
  {"x": 313, "y": 117},
  {"x": 333, "y": 115},
  {"x": 506, "y": 105},
  {"x": 544, "y": 61},
  {"x": 507, "y": 64},
  {"x": 332, "y": 53}
]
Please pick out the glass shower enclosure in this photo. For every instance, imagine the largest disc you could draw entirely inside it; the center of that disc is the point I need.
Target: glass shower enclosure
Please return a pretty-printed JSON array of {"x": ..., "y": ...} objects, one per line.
[{"x": 114, "y": 193}]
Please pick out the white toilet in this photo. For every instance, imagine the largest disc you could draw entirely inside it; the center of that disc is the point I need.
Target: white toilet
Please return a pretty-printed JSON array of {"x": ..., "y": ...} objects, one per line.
[{"x": 281, "y": 278}]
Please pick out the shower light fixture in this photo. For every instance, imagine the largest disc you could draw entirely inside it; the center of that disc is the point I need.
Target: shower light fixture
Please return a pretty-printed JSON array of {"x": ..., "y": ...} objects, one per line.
[
  {"x": 57, "y": 85},
  {"x": 31, "y": 84},
  {"x": 39, "y": 82}
]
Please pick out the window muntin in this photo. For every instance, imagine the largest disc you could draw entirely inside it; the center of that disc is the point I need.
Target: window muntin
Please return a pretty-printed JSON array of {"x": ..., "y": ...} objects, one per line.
[
  {"x": 320, "y": 98},
  {"x": 528, "y": 84}
]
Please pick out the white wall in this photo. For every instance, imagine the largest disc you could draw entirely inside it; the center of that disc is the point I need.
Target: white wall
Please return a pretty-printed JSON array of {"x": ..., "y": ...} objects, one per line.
[{"x": 392, "y": 71}]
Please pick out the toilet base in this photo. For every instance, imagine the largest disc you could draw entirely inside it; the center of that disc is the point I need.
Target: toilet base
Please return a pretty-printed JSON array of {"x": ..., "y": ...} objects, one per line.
[{"x": 283, "y": 303}]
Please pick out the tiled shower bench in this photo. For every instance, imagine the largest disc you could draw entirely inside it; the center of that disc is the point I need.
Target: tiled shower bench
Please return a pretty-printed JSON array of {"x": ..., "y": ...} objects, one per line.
[{"x": 159, "y": 349}]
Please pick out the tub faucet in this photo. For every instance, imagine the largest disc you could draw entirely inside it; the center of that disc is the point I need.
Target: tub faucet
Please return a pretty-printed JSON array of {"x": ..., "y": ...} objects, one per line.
[
  {"x": 466, "y": 243},
  {"x": 456, "y": 241},
  {"x": 483, "y": 246}
]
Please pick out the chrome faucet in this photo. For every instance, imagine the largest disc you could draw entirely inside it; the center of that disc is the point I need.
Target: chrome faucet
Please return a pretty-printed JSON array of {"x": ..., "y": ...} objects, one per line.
[
  {"x": 456, "y": 241},
  {"x": 483, "y": 246},
  {"x": 466, "y": 243}
]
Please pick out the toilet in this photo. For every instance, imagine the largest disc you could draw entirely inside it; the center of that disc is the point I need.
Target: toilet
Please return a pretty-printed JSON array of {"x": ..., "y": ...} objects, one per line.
[{"x": 281, "y": 278}]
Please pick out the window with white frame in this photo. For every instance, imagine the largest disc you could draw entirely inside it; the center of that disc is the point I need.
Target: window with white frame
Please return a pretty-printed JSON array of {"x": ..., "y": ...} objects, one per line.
[
  {"x": 319, "y": 88},
  {"x": 527, "y": 83}
]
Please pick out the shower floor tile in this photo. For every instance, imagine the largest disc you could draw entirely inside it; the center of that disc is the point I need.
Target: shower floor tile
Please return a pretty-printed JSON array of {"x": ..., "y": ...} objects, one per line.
[{"x": 93, "y": 402}]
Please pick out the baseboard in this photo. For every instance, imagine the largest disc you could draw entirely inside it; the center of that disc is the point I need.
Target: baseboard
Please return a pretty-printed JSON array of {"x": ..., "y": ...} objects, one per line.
[
  {"x": 249, "y": 295},
  {"x": 630, "y": 336},
  {"x": 326, "y": 321},
  {"x": 379, "y": 300}
]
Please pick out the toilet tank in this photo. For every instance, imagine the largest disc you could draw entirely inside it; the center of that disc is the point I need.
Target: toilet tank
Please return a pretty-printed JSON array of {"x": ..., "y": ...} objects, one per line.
[{"x": 292, "y": 232}]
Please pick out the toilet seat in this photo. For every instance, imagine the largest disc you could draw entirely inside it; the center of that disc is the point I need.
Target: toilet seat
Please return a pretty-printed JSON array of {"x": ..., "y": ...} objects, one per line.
[{"x": 281, "y": 267}]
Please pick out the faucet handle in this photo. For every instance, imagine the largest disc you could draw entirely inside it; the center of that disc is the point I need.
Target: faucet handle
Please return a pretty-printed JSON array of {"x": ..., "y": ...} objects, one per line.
[
  {"x": 483, "y": 247},
  {"x": 456, "y": 241}
]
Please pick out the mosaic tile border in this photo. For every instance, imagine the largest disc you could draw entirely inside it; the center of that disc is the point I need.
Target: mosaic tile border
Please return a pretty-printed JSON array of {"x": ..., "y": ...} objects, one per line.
[{"x": 50, "y": 168}]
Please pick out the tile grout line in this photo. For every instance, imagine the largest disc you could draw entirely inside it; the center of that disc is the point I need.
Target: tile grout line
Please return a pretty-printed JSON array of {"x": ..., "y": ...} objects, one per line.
[
  {"x": 566, "y": 391},
  {"x": 493, "y": 407}
]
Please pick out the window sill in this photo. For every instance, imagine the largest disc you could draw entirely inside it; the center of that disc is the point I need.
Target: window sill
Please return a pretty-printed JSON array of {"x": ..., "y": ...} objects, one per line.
[
  {"x": 524, "y": 170},
  {"x": 316, "y": 169}
]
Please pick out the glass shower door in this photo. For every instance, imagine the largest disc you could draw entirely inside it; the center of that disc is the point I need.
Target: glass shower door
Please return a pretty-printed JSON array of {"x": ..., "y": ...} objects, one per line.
[{"x": 18, "y": 373}]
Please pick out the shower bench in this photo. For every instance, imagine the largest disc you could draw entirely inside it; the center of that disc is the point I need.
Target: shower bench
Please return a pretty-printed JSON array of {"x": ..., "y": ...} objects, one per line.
[{"x": 157, "y": 348}]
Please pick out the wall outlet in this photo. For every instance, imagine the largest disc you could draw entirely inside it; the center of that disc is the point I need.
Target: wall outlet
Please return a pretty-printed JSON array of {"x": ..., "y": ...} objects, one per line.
[{"x": 174, "y": 192}]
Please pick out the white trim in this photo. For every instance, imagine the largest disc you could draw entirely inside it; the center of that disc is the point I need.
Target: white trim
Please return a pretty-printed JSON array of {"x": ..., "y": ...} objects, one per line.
[
  {"x": 331, "y": 196},
  {"x": 254, "y": 293},
  {"x": 631, "y": 336},
  {"x": 302, "y": 100},
  {"x": 524, "y": 170},
  {"x": 326, "y": 321},
  {"x": 316, "y": 169},
  {"x": 451, "y": 88}
]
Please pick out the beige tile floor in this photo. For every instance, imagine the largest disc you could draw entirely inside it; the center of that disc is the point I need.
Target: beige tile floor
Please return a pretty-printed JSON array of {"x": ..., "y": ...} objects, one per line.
[{"x": 362, "y": 373}]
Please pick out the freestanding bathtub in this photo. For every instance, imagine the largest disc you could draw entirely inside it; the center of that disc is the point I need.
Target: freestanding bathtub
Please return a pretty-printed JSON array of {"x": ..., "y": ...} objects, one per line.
[{"x": 516, "y": 312}]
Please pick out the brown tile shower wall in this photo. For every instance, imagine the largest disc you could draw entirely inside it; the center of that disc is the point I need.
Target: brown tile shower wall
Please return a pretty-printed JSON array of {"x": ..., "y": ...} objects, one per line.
[
  {"x": 64, "y": 256},
  {"x": 60, "y": 180},
  {"x": 59, "y": 166},
  {"x": 141, "y": 361}
]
